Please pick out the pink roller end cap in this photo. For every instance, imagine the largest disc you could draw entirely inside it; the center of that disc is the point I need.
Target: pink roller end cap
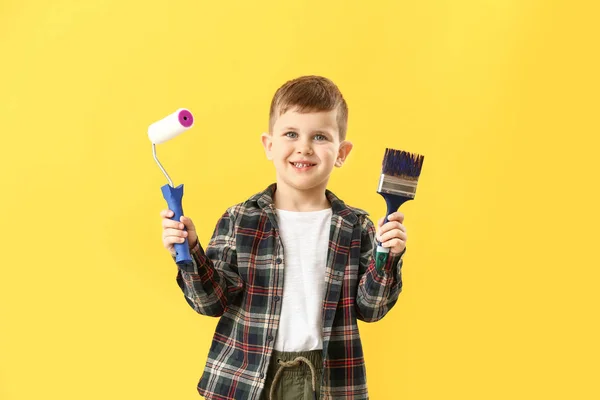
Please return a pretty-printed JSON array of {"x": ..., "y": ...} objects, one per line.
[{"x": 186, "y": 118}]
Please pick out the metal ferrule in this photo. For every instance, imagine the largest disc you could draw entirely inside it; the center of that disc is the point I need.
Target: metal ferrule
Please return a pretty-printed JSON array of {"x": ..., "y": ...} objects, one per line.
[{"x": 397, "y": 186}]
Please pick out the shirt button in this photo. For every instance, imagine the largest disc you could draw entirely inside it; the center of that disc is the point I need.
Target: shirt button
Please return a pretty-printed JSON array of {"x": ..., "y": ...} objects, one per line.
[
  {"x": 278, "y": 261},
  {"x": 270, "y": 338},
  {"x": 276, "y": 298},
  {"x": 262, "y": 375}
]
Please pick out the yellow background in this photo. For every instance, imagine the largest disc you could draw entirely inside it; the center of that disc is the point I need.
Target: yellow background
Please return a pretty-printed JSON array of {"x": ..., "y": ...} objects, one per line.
[{"x": 501, "y": 274}]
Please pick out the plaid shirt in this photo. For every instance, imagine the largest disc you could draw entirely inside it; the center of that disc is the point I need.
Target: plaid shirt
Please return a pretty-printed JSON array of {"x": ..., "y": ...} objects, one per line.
[{"x": 240, "y": 279}]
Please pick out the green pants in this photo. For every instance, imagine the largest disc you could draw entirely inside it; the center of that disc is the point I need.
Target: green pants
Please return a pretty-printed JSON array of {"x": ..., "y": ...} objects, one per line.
[{"x": 294, "y": 381}]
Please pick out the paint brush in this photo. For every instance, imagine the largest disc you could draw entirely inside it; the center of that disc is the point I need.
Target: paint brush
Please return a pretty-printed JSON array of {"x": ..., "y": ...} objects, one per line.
[{"x": 398, "y": 183}]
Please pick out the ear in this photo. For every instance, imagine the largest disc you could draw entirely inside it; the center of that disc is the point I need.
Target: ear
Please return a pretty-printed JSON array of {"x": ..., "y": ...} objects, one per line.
[
  {"x": 344, "y": 150},
  {"x": 267, "y": 142}
]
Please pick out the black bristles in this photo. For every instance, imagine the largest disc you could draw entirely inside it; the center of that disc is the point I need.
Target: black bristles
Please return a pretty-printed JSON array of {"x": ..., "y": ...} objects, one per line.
[{"x": 402, "y": 163}]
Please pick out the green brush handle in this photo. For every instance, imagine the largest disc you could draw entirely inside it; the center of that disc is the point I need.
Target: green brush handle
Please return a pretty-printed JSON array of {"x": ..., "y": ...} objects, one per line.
[{"x": 381, "y": 257}]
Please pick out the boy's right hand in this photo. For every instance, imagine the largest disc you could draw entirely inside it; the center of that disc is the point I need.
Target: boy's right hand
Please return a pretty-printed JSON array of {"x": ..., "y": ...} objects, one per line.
[{"x": 173, "y": 231}]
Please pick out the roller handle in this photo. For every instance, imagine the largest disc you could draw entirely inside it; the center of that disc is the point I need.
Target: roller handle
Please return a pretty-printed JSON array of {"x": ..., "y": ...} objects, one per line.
[{"x": 173, "y": 196}]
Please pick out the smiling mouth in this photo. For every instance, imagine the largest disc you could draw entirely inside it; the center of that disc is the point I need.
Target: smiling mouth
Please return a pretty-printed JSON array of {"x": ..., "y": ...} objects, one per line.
[{"x": 302, "y": 165}]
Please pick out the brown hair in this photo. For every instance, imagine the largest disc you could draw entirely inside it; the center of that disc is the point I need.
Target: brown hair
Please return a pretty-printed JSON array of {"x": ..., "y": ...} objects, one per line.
[{"x": 308, "y": 94}]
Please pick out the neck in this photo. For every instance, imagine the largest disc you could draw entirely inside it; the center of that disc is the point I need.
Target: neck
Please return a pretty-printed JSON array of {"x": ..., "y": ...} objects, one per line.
[{"x": 291, "y": 199}]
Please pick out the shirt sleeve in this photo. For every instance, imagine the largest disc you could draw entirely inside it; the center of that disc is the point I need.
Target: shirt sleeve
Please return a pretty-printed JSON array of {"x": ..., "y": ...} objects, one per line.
[
  {"x": 377, "y": 291},
  {"x": 211, "y": 281}
]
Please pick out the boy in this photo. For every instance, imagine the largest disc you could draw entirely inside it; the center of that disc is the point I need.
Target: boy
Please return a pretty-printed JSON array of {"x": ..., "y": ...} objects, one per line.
[{"x": 291, "y": 270}]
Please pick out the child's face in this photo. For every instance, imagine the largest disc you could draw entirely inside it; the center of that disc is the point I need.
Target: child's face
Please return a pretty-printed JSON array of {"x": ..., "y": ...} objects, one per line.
[{"x": 304, "y": 148}]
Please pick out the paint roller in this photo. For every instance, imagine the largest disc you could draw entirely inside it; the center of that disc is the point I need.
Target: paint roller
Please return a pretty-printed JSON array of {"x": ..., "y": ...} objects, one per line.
[{"x": 159, "y": 132}]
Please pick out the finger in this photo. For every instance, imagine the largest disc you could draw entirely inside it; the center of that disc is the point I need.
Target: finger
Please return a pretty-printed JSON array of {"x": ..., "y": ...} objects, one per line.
[
  {"x": 393, "y": 234},
  {"x": 394, "y": 243},
  {"x": 396, "y": 216},
  {"x": 174, "y": 232},
  {"x": 169, "y": 240},
  {"x": 169, "y": 223},
  {"x": 390, "y": 226},
  {"x": 380, "y": 222},
  {"x": 166, "y": 213}
]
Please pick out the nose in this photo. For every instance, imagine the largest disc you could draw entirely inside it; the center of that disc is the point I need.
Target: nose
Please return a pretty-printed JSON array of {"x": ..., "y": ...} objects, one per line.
[{"x": 304, "y": 147}]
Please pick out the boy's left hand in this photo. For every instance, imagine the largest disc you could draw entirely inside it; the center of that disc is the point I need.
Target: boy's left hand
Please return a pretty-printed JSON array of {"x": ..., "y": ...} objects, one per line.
[{"x": 393, "y": 233}]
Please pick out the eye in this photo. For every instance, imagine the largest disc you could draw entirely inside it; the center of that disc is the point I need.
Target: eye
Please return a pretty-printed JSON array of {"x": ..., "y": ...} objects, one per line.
[
  {"x": 320, "y": 137},
  {"x": 291, "y": 135}
]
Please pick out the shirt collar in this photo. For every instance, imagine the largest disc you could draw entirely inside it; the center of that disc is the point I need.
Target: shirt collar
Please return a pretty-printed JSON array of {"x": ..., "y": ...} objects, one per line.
[{"x": 264, "y": 200}]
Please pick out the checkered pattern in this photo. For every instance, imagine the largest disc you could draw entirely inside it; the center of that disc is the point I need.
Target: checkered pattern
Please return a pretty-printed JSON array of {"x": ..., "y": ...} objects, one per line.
[{"x": 239, "y": 278}]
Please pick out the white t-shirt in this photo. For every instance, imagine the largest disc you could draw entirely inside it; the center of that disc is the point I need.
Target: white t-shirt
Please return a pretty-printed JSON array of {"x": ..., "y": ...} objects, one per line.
[{"x": 305, "y": 237}]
